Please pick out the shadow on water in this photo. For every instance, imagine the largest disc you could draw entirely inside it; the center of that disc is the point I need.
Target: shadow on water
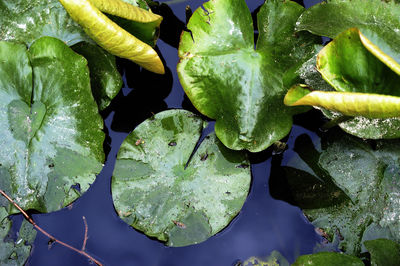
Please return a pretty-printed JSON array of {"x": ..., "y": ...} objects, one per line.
[{"x": 264, "y": 224}]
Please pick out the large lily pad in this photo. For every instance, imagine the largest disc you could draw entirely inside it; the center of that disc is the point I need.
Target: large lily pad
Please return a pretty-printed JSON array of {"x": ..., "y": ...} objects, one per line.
[
  {"x": 51, "y": 145},
  {"x": 241, "y": 87},
  {"x": 378, "y": 21},
  {"x": 360, "y": 185},
  {"x": 155, "y": 192}
]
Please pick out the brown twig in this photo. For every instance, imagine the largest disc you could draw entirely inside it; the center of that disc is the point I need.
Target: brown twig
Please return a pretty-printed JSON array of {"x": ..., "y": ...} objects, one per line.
[
  {"x": 52, "y": 238},
  {"x": 86, "y": 234}
]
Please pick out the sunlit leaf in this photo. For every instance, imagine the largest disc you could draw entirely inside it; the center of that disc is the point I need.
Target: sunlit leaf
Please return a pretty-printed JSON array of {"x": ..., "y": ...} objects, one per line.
[
  {"x": 241, "y": 87},
  {"x": 51, "y": 144}
]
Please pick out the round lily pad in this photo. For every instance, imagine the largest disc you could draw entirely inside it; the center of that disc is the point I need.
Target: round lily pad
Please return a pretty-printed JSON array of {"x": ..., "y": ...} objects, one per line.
[{"x": 160, "y": 188}]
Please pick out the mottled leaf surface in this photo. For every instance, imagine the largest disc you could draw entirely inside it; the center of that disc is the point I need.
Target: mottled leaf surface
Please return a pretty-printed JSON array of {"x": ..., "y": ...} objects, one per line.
[
  {"x": 51, "y": 130},
  {"x": 360, "y": 184},
  {"x": 155, "y": 193},
  {"x": 241, "y": 87}
]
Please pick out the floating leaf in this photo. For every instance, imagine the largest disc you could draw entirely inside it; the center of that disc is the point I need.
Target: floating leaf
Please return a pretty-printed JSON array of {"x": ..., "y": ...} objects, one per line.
[
  {"x": 383, "y": 252},
  {"x": 328, "y": 259},
  {"x": 228, "y": 80},
  {"x": 15, "y": 252},
  {"x": 378, "y": 21},
  {"x": 361, "y": 185},
  {"x": 157, "y": 193},
  {"x": 51, "y": 130}
]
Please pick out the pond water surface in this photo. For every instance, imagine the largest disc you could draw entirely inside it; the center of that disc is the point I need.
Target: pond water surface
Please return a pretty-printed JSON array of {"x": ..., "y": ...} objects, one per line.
[{"x": 264, "y": 224}]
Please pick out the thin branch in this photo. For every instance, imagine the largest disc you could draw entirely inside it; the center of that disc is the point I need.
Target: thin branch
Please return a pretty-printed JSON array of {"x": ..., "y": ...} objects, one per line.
[
  {"x": 86, "y": 234},
  {"x": 52, "y": 238}
]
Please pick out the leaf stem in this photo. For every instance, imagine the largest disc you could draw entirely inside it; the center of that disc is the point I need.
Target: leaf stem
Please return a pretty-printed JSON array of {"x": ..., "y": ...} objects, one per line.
[{"x": 31, "y": 221}]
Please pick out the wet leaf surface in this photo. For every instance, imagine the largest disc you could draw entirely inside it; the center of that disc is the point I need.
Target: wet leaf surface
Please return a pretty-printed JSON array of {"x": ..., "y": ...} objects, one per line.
[
  {"x": 51, "y": 130},
  {"x": 241, "y": 87},
  {"x": 155, "y": 193}
]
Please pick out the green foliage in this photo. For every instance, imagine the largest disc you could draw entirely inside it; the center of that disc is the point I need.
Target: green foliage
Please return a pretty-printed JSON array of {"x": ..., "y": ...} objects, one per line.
[
  {"x": 15, "y": 253},
  {"x": 242, "y": 88},
  {"x": 51, "y": 130},
  {"x": 160, "y": 189},
  {"x": 359, "y": 187}
]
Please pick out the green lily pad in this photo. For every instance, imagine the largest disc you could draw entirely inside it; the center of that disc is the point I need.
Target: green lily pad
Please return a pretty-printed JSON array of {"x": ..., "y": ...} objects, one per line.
[
  {"x": 15, "y": 253},
  {"x": 361, "y": 185},
  {"x": 383, "y": 252},
  {"x": 328, "y": 259},
  {"x": 378, "y": 21},
  {"x": 51, "y": 145},
  {"x": 242, "y": 88},
  {"x": 155, "y": 192}
]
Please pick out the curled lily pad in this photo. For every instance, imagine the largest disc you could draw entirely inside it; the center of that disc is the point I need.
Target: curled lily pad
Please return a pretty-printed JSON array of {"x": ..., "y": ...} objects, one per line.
[
  {"x": 365, "y": 88},
  {"x": 241, "y": 87},
  {"x": 51, "y": 145},
  {"x": 378, "y": 21},
  {"x": 160, "y": 189},
  {"x": 360, "y": 184}
]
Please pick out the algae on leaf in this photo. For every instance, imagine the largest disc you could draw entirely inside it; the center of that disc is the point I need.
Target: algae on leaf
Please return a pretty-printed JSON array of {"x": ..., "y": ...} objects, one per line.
[
  {"x": 160, "y": 188},
  {"x": 241, "y": 87},
  {"x": 51, "y": 131}
]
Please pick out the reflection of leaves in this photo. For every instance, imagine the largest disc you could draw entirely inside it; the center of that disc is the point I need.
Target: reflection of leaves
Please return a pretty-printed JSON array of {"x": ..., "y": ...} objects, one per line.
[
  {"x": 369, "y": 179},
  {"x": 155, "y": 192},
  {"x": 51, "y": 130},
  {"x": 228, "y": 80}
]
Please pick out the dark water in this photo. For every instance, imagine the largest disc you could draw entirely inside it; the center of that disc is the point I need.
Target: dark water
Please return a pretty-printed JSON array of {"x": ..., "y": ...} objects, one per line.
[{"x": 264, "y": 224}]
